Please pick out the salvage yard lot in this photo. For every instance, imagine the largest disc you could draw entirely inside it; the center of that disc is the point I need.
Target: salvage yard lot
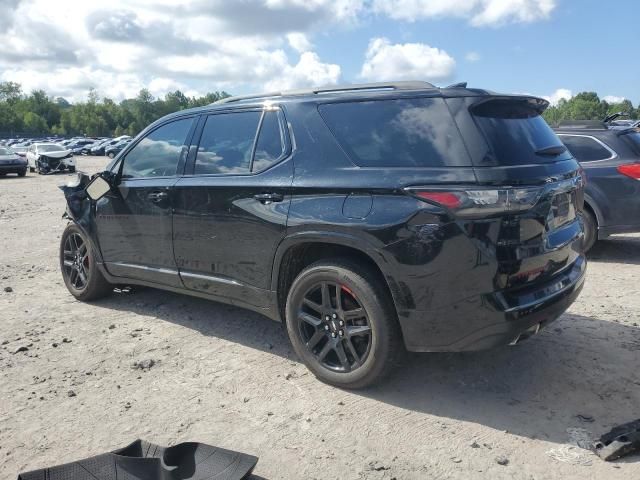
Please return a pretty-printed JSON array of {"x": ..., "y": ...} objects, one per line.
[{"x": 170, "y": 368}]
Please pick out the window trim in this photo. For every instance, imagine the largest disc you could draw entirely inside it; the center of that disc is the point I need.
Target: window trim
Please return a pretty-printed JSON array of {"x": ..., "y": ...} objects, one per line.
[
  {"x": 181, "y": 161},
  {"x": 284, "y": 136},
  {"x": 613, "y": 154}
]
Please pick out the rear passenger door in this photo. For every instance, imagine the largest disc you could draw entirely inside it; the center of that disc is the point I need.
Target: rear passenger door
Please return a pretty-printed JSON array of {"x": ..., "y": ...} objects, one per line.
[{"x": 232, "y": 204}]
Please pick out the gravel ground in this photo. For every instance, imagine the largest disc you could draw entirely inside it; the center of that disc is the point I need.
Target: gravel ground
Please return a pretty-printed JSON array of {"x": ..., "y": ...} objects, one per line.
[{"x": 225, "y": 376}]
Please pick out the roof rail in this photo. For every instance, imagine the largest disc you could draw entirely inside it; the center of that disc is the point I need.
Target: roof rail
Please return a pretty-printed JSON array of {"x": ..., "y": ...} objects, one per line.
[{"x": 358, "y": 87}]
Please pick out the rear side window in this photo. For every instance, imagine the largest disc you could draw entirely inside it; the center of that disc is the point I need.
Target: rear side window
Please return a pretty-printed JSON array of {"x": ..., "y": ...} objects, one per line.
[
  {"x": 227, "y": 143},
  {"x": 586, "y": 149},
  {"x": 517, "y": 134},
  {"x": 417, "y": 132}
]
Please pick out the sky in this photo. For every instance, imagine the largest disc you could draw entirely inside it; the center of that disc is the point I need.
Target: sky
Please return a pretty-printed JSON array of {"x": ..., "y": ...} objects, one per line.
[{"x": 550, "y": 48}]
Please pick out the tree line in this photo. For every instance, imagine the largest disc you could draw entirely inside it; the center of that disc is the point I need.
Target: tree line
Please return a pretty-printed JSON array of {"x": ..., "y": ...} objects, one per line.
[
  {"x": 587, "y": 106},
  {"x": 37, "y": 113}
]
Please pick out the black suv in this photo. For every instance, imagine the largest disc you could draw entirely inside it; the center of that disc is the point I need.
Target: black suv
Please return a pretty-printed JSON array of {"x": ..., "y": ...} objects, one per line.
[
  {"x": 367, "y": 218},
  {"x": 609, "y": 152}
]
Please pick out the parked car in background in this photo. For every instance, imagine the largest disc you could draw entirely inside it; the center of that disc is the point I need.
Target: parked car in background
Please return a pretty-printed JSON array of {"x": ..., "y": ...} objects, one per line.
[
  {"x": 610, "y": 157},
  {"x": 100, "y": 148},
  {"x": 115, "y": 149},
  {"x": 20, "y": 151},
  {"x": 418, "y": 217},
  {"x": 11, "y": 162},
  {"x": 49, "y": 158},
  {"x": 77, "y": 145}
]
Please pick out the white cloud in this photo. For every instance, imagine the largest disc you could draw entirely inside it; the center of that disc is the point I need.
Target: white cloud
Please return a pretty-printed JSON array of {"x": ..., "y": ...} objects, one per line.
[
  {"x": 613, "y": 99},
  {"x": 308, "y": 72},
  {"x": 121, "y": 46},
  {"x": 299, "y": 42},
  {"x": 472, "y": 57},
  {"x": 409, "y": 61},
  {"x": 559, "y": 94},
  {"x": 478, "y": 12}
]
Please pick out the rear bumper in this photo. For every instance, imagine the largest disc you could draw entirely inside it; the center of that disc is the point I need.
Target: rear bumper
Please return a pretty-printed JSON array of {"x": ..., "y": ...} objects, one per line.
[{"x": 506, "y": 316}]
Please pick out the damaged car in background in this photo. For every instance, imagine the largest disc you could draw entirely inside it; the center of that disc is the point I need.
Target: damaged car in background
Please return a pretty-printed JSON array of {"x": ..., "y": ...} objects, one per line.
[
  {"x": 46, "y": 158},
  {"x": 419, "y": 218}
]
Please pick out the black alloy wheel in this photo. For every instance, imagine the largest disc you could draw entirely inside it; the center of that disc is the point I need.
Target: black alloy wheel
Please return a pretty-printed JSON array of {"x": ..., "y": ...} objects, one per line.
[
  {"x": 76, "y": 263},
  {"x": 334, "y": 327},
  {"x": 342, "y": 323}
]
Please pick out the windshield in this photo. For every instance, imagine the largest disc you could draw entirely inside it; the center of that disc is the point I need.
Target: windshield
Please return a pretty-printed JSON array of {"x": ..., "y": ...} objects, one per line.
[
  {"x": 517, "y": 134},
  {"x": 54, "y": 147}
]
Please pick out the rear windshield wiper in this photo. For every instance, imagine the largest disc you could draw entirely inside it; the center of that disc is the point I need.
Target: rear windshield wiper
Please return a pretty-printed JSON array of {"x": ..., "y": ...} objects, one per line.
[{"x": 552, "y": 151}]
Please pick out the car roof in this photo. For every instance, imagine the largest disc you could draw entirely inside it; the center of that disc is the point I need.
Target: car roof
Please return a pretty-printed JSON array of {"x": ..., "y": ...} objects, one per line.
[{"x": 346, "y": 92}]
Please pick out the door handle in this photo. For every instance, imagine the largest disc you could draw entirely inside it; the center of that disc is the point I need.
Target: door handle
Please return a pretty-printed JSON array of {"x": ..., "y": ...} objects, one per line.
[
  {"x": 158, "y": 197},
  {"x": 267, "y": 198}
]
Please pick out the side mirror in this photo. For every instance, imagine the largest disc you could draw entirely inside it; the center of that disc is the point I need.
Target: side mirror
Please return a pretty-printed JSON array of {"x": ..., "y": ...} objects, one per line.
[{"x": 98, "y": 188}]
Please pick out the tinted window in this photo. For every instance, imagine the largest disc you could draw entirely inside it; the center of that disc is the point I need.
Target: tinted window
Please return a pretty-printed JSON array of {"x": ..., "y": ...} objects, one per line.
[
  {"x": 397, "y": 133},
  {"x": 158, "y": 154},
  {"x": 585, "y": 149},
  {"x": 226, "y": 143},
  {"x": 633, "y": 139},
  {"x": 270, "y": 145},
  {"x": 516, "y": 131}
]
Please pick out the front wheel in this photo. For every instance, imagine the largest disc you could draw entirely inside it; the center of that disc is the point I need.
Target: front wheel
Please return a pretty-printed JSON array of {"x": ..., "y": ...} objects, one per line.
[
  {"x": 79, "y": 270},
  {"x": 22, "y": 173},
  {"x": 342, "y": 323}
]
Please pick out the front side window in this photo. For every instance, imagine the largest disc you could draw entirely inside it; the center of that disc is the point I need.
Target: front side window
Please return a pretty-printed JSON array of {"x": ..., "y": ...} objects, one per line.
[
  {"x": 158, "y": 154},
  {"x": 226, "y": 143},
  {"x": 585, "y": 149}
]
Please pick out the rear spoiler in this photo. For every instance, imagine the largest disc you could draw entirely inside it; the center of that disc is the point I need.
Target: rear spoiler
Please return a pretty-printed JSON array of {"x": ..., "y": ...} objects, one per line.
[{"x": 494, "y": 105}]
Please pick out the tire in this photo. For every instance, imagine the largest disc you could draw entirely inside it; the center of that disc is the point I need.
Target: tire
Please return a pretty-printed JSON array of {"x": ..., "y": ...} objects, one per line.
[
  {"x": 22, "y": 173},
  {"x": 94, "y": 286},
  {"x": 590, "y": 230},
  {"x": 355, "y": 359}
]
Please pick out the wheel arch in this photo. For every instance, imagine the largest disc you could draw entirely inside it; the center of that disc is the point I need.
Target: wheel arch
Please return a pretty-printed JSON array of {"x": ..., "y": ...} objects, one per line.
[{"x": 297, "y": 252}]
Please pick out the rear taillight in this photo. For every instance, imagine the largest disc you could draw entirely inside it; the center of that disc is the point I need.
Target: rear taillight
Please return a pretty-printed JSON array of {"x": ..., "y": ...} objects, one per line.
[
  {"x": 480, "y": 202},
  {"x": 630, "y": 170}
]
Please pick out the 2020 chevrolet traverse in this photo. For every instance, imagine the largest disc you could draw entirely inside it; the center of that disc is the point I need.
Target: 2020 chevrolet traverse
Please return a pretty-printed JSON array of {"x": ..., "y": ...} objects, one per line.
[{"x": 367, "y": 218}]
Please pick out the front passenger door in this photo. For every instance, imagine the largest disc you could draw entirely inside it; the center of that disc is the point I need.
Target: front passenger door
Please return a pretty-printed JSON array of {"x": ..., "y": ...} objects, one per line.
[{"x": 134, "y": 222}]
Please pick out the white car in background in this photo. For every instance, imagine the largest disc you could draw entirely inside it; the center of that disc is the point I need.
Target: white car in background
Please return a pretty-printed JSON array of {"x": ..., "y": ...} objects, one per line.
[{"x": 50, "y": 158}]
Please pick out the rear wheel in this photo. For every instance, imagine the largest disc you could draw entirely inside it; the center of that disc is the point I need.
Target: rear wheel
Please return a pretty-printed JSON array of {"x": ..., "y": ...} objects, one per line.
[
  {"x": 22, "y": 173},
  {"x": 342, "y": 323},
  {"x": 79, "y": 270},
  {"x": 590, "y": 230}
]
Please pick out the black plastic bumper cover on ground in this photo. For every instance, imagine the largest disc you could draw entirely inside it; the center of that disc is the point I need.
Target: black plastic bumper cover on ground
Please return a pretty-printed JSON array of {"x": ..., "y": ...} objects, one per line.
[{"x": 145, "y": 461}]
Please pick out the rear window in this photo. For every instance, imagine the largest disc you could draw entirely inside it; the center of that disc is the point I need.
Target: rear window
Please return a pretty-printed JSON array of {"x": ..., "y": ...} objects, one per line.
[
  {"x": 417, "y": 132},
  {"x": 586, "y": 149},
  {"x": 633, "y": 140},
  {"x": 517, "y": 134}
]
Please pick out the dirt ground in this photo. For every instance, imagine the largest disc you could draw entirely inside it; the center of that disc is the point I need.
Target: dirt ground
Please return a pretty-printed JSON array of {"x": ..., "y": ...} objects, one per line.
[{"x": 228, "y": 377}]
